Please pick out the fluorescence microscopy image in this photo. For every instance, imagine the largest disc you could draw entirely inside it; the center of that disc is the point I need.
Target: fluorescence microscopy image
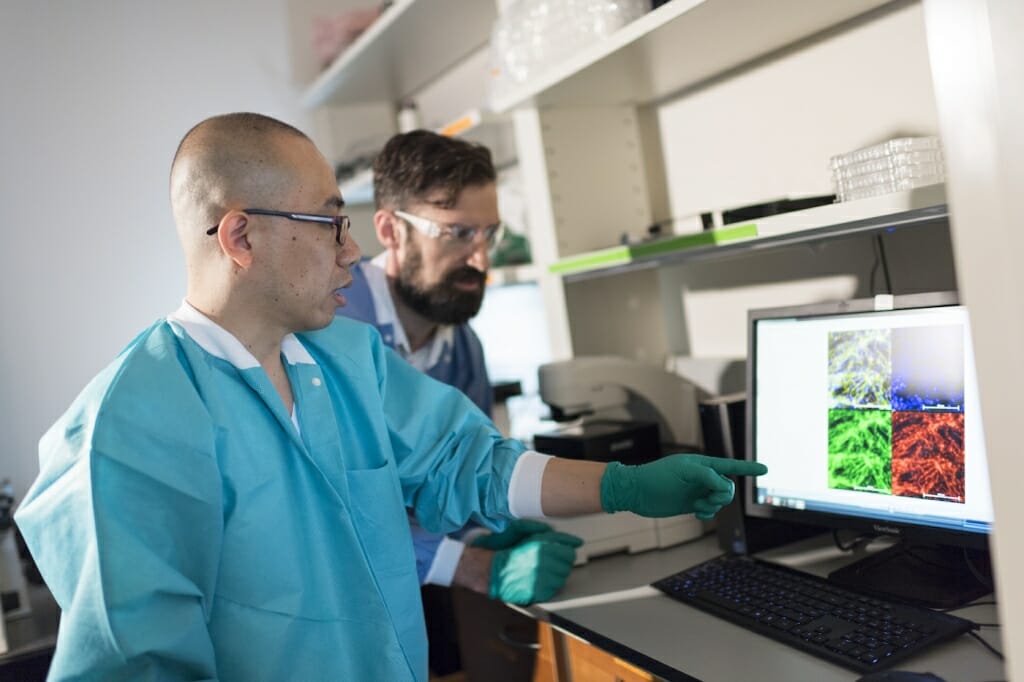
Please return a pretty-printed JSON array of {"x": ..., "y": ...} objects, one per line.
[
  {"x": 928, "y": 368},
  {"x": 928, "y": 455},
  {"x": 860, "y": 369},
  {"x": 859, "y": 450}
]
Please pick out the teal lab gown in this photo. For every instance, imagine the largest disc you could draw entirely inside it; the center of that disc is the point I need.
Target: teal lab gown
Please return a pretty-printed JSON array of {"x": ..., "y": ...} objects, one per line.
[{"x": 188, "y": 530}]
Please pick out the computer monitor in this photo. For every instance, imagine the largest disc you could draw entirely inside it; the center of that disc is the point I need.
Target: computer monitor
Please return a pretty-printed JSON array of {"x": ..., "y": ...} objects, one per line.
[{"x": 867, "y": 415}]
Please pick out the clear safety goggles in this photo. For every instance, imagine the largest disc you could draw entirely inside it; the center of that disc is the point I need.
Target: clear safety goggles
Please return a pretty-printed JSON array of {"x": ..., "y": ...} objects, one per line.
[{"x": 454, "y": 233}]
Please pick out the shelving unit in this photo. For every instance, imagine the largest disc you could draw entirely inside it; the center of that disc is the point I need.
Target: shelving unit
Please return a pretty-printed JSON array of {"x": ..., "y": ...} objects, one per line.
[
  {"x": 411, "y": 43},
  {"x": 673, "y": 47},
  {"x": 914, "y": 208},
  {"x": 680, "y": 44},
  {"x": 405, "y": 49},
  {"x": 580, "y": 192},
  {"x": 478, "y": 125},
  {"x": 581, "y": 127},
  {"x": 487, "y": 128}
]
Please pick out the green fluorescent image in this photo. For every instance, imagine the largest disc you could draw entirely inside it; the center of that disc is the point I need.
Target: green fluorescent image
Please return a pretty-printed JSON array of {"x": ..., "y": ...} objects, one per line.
[{"x": 860, "y": 450}]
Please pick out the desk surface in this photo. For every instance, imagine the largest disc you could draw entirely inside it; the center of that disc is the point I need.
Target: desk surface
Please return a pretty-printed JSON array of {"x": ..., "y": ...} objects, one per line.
[{"x": 609, "y": 603}]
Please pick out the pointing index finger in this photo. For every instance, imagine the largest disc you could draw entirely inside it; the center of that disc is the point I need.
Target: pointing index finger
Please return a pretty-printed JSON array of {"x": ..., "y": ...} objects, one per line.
[{"x": 737, "y": 467}]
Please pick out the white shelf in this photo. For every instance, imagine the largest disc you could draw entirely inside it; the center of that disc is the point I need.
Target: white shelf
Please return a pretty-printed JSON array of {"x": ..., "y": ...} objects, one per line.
[
  {"x": 680, "y": 44},
  {"x": 852, "y": 212},
  {"x": 492, "y": 130},
  {"x": 474, "y": 124},
  {"x": 923, "y": 207},
  {"x": 486, "y": 128},
  {"x": 411, "y": 44}
]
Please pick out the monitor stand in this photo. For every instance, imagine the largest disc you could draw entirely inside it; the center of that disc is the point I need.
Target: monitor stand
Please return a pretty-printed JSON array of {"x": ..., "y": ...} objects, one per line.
[{"x": 933, "y": 576}]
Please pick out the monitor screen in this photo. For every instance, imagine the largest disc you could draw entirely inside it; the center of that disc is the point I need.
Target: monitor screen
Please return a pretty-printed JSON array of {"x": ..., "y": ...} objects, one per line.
[{"x": 866, "y": 414}]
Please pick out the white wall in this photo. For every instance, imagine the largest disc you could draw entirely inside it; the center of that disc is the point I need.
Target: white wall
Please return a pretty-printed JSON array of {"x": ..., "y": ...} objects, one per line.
[
  {"x": 978, "y": 61},
  {"x": 95, "y": 97}
]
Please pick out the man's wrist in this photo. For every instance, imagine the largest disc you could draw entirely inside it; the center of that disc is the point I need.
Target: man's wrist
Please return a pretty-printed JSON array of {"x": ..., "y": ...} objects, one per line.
[
  {"x": 616, "y": 484},
  {"x": 474, "y": 569}
]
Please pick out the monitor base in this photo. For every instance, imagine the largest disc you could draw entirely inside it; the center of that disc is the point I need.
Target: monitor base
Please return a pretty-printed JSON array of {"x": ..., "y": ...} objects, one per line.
[{"x": 932, "y": 576}]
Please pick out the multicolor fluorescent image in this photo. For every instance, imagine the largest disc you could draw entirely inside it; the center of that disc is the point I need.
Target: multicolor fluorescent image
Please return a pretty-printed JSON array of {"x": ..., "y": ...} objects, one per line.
[
  {"x": 859, "y": 369},
  {"x": 896, "y": 417},
  {"x": 928, "y": 455},
  {"x": 859, "y": 450}
]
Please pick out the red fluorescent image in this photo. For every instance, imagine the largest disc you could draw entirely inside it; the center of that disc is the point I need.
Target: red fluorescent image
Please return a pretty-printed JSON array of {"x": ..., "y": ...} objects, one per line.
[{"x": 928, "y": 455}]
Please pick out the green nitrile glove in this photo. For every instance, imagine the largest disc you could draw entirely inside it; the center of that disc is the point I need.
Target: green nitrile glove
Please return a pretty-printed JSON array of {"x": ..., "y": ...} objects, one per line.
[
  {"x": 677, "y": 484},
  {"x": 535, "y": 569},
  {"x": 517, "y": 531}
]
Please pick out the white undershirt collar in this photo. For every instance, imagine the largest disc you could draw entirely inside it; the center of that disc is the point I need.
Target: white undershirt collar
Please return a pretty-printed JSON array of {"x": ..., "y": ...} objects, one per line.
[{"x": 221, "y": 343}]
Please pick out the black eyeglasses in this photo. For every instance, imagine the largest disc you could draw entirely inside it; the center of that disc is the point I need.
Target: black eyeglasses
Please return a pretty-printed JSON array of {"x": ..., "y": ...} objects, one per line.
[{"x": 341, "y": 223}]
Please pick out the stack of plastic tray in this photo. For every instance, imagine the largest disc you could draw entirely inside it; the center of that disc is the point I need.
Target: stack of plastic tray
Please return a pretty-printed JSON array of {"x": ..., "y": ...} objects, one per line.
[{"x": 893, "y": 166}]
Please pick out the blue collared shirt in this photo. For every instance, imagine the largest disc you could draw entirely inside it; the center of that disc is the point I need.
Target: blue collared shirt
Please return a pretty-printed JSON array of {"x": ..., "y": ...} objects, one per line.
[{"x": 453, "y": 355}]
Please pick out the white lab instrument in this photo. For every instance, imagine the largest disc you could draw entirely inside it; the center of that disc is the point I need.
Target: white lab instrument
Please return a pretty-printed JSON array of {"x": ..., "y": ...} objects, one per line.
[{"x": 617, "y": 388}]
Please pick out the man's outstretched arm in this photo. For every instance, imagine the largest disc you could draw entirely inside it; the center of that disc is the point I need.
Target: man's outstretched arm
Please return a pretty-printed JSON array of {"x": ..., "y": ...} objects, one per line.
[{"x": 676, "y": 484}]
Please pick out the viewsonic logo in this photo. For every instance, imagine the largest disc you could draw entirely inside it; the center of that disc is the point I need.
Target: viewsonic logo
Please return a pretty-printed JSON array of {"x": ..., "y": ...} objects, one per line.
[{"x": 888, "y": 530}]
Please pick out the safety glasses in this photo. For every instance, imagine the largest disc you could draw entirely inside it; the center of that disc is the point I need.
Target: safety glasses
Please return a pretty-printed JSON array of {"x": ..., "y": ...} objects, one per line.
[{"x": 453, "y": 233}]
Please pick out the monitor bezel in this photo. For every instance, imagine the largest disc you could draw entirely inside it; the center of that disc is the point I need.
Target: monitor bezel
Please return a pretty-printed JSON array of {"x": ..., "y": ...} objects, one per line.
[{"x": 900, "y": 530}]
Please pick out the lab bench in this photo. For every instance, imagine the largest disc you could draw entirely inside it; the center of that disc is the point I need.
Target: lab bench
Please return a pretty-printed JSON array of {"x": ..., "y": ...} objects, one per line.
[
  {"x": 609, "y": 604},
  {"x": 607, "y": 623}
]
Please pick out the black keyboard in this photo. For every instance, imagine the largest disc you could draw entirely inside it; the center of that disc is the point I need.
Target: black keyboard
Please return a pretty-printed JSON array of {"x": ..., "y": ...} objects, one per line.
[{"x": 810, "y": 613}]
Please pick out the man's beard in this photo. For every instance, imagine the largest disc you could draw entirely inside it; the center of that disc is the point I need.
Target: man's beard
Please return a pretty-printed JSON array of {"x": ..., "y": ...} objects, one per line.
[{"x": 442, "y": 303}]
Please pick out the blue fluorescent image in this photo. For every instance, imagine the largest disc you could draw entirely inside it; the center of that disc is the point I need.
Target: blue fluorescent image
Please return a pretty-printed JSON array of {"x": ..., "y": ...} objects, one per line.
[{"x": 928, "y": 368}]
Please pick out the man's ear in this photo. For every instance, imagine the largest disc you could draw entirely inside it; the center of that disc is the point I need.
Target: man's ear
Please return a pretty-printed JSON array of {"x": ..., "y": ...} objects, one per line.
[
  {"x": 386, "y": 225},
  {"x": 233, "y": 235}
]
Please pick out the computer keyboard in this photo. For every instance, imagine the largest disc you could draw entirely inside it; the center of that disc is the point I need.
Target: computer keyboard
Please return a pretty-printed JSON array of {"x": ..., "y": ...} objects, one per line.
[{"x": 810, "y": 613}]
